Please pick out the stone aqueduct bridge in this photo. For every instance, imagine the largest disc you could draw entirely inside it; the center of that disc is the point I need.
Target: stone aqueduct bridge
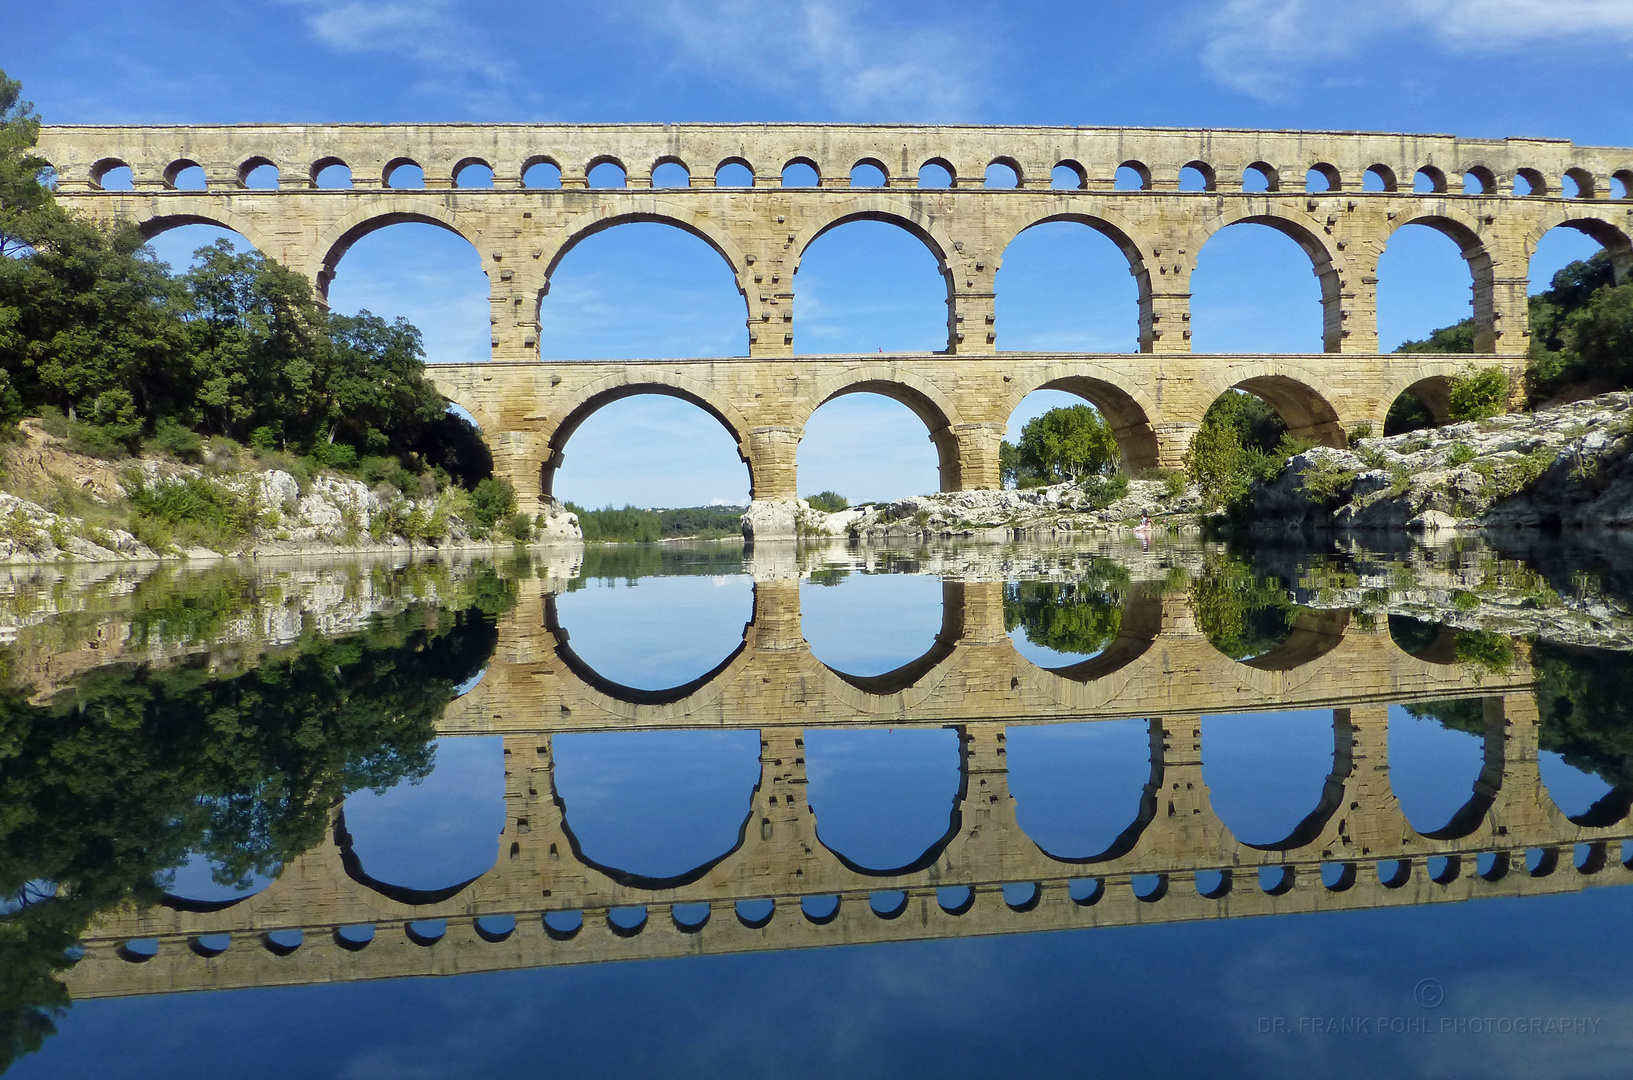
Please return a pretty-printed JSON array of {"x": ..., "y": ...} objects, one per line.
[
  {"x": 964, "y": 395},
  {"x": 1176, "y": 861}
]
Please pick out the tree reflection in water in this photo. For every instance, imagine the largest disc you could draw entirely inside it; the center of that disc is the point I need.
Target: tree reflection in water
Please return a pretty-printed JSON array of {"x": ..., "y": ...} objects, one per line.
[
  {"x": 136, "y": 769},
  {"x": 1056, "y": 623}
]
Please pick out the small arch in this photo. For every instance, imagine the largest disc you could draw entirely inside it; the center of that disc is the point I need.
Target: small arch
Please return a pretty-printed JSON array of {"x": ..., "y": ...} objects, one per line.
[
  {"x": 562, "y": 925},
  {"x": 1068, "y": 176},
  {"x": 869, "y": 173},
  {"x": 734, "y": 172},
  {"x": 111, "y": 174},
  {"x": 259, "y": 174},
  {"x": 473, "y": 172},
  {"x": 671, "y": 172},
  {"x": 820, "y": 910},
  {"x": 937, "y": 173},
  {"x": 1197, "y": 176},
  {"x": 1379, "y": 178},
  {"x": 1429, "y": 180},
  {"x": 185, "y": 175},
  {"x": 888, "y": 903},
  {"x": 690, "y": 918},
  {"x": 1529, "y": 182},
  {"x": 403, "y": 174},
  {"x": 955, "y": 899},
  {"x": 1003, "y": 173},
  {"x": 607, "y": 173},
  {"x": 1479, "y": 180},
  {"x": 801, "y": 172},
  {"x": 756, "y": 914},
  {"x": 1578, "y": 184},
  {"x": 330, "y": 172},
  {"x": 494, "y": 928},
  {"x": 1261, "y": 176},
  {"x": 1322, "y": 177},
  {"x": 1621, "y": 184},
  {"x": 541, "y": 172},
  {"x": 627, "y": 921},
  {"x": 1132, "y": 176},
  {"x": 426, "y": 932}
]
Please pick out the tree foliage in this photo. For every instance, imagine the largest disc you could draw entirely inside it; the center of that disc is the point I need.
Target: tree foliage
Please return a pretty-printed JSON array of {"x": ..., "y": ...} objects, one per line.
[
  {"x": 1063, "y": 444},
  {"x": 133, "y": 769},
  {"x": 1478, "y": 394},
  {"x": 1241, "y": 439}
]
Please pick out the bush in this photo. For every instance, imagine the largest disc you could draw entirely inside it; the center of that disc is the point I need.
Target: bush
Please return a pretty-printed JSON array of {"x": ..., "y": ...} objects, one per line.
[
  {"x": 179, "y": 442},
  {"x": 1102, "y": 491},
  {"x": 1359, "y": 431},
  {"x": 1479, "y": 394},
  {"x": 1461, "y": 454},
  {"x": 519, "y": 528},
  {"x": 95, "y": 441},
  {"x": 829, "y": 502},
  {"x": 335, "y": 455},
  {"x": 193, "y": 508},
  {"x": 493, "y": 501}
]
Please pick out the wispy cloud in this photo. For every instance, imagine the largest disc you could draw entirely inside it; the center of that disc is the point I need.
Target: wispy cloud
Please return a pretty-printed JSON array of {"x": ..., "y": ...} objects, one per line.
[
  {"x": 1263, "y": 47},
  {"x": 431, "y": 33},
  {"x": 855, "y": 57}
]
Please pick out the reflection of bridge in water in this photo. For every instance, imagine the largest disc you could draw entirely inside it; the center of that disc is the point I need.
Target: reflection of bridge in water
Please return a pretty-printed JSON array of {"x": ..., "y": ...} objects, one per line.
[{"x": 1177, "y": 861}]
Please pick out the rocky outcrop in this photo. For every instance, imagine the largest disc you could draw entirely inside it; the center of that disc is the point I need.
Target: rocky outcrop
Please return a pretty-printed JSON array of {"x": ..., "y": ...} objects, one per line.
[
  {"x": 1058, "y": 510},
  {"x": 31, "y": 533},
  {"x": 1566, "y": 467}
]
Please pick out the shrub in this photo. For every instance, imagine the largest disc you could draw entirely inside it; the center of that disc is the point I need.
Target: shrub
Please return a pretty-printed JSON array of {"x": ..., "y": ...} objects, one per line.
[
  {"x": 179, "y": 442},
  {"x": 1461, "y": 454},
  {"x": 492, "y": 501},
  {"x": 1102, "y": 491},
  {"x": 263, "y": 438},
  {"x": 1478, "y": 394},
  {"x": 1359, "y": 431},
  {"x": 519, "y": 528},
  {"x": 829, "y": 502},
  {"x": 335, "y": 455},
  {"x": 95, "y": 441},
  {"x": 194, "y": 508}
]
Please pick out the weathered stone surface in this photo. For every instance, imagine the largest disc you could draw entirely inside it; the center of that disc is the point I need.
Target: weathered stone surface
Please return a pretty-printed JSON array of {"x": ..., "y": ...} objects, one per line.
[
  {"x": 965, "y": 395},
  {"x": 1568, "y": 466}
]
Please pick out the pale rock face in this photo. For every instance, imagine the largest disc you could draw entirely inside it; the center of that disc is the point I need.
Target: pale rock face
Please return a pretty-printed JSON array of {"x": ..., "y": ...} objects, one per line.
[
  {"x": 766, "y": 520},
  {"x": 558, "y": 524}
]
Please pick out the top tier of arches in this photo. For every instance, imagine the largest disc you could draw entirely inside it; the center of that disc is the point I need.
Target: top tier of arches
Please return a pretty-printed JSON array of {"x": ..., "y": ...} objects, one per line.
[{"x": 833, "y": 156}]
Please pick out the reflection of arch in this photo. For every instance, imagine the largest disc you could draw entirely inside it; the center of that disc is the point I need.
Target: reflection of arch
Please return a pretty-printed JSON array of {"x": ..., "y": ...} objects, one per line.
[
  {"x": 1333, "y": 794},
  {"x": 642, "y": 881},
  {"x": 911, "y": 673},
  {"x": 1307, "y": 234},
  {"x": 1315, "y": 634},
  {"x": 620, "y": 385},
  {"x": 1137, "y": 632},
  {"x": 1125, "y": 841},
  {"x": 1129, "y": 411},
  {"x": 377, "y": 215},
  {"x": 921, "y": 396},
  {"x": 629, "y": 694},
  {"x": 402, "y": 894},
  {"x": 931, "y": 854}
]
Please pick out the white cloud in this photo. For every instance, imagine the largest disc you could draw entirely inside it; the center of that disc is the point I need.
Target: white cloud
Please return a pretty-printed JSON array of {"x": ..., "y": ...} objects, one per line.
[
  {"x": 853, "y": 56},
  {"x": 430, "y": 32},
  {"x": 1262, "y": 46}
]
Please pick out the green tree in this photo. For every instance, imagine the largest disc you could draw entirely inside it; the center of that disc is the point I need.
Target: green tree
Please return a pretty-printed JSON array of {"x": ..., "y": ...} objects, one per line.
[
  {"x": 1068, "y": 443},
  {"x": 1478, "y": 394}
]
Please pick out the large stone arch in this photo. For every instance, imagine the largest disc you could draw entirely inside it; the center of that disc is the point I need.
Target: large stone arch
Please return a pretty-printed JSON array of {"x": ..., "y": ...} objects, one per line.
[
  {"x": 376, "y": 215},
  {"x": 1430, "y": 382},
  {"x": 1612, "y": 236},
  {"x": 1308, "y": 233},
  {"x": 1130, "y": 410},
  {"x": 560, "y": 426},
  {"x": 1302, "y": 398},
  {"x": 655, "y": 209},
  {"x": 213, "y": 213},
  {"x": 1110, "y": 224},
  {"x": 1464, "y": 232},
  {"x": 924, "y": 398},
  {"x": 909, "y": 216}
]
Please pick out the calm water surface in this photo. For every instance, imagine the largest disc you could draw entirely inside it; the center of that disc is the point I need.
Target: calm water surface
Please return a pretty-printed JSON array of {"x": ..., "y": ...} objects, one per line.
[{"x": 687, "y": 811}]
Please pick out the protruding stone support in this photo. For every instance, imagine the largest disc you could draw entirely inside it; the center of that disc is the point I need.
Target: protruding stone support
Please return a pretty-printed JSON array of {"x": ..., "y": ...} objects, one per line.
[
  {"x": 1165, "y": 316},
  {"x": 978, "y": 456},
  {"x": 521, "y": 457}
]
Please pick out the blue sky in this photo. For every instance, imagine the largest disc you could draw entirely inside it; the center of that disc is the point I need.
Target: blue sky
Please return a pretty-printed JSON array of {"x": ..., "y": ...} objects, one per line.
[{"x": 1470, "y": 67}]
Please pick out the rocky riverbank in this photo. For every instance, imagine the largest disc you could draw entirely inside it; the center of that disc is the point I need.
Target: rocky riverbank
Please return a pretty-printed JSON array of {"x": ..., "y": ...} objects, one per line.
[
  {"x": 73, "y": 507},
  {"x": 1566, "y": 467}
]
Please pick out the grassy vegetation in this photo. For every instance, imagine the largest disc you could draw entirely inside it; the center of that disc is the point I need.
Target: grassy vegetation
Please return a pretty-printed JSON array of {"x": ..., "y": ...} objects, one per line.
[{"x": 635, "y": 525}]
